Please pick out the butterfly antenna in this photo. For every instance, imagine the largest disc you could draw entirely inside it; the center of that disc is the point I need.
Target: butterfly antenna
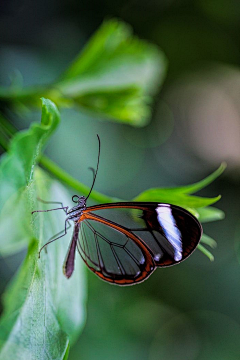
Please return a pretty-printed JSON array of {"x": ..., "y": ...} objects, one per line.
[{"x": 95, "y": 172}]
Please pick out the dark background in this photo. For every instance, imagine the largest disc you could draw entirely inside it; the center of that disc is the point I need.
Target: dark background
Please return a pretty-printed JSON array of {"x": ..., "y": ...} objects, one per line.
[{"x": 190, "y": 311}]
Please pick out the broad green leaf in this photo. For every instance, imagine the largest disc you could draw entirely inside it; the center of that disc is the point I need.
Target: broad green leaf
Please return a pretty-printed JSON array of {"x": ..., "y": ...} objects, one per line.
[
  {"x": 115, "y": 69},
  {"x": 127, "y": 104},
  {"x": 174, "y": 198},
  {"x": 210, "y": 214},
  {"x": 16, "y": 179},
  {"x": 190, "y": 189},
  {"x": 44, "y": 311}
]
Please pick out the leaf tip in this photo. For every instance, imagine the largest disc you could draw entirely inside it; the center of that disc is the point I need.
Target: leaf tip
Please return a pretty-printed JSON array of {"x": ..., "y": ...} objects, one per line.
[
  {"x": 217, "y": 198},
  {"x": 223, "y": 165},
  {"x": 206, "y": 252},
  {"x": 48, "y": 103}
]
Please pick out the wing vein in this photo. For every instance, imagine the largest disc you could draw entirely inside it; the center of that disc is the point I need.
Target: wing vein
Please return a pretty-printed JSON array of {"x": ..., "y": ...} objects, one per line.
[{"x": 120, "y": 266}]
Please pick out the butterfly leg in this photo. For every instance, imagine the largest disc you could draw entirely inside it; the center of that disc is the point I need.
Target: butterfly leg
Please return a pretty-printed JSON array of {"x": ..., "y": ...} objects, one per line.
[
  {"x": 52, "y": 202},
  {"x": 56, "y": 236},
  {"x": 64, "y": 208}
]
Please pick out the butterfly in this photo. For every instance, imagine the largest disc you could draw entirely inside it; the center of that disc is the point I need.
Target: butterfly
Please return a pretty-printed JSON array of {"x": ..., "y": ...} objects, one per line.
[{"x": 124, "y": 242}]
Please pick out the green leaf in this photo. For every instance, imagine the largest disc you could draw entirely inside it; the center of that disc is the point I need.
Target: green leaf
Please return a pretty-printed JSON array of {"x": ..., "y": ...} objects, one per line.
[
  {"x": 180, "y": 196},
  {"x": 115, "y": 69},
  {"x": 205, "y": 239},
  {"x": 44, "y": 311},
  {"x": 205, "y": 252},
  {"x": 115, "y": 77},
  {"x": 174, "y": 198},
  {"x": 16, "y": 179},
  {"x": 127, "y": 105},
  {"x": 210, "y": 214},
  {"x": 190, "y": 189}
]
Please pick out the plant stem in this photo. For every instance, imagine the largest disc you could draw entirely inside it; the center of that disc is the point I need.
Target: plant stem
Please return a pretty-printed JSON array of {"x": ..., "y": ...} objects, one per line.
[
  {"x": 75, "y": 184},
  {"x": 29, "y": 94}
]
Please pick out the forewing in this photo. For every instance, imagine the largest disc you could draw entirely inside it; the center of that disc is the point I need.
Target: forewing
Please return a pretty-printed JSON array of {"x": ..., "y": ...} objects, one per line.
[
  {"x": 170, "y": 232},
  {"x": 112, "y": 253}
]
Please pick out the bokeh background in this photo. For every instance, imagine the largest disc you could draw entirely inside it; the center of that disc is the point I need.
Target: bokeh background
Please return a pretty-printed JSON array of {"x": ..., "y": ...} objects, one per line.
[{"x": 190, "y": 311}]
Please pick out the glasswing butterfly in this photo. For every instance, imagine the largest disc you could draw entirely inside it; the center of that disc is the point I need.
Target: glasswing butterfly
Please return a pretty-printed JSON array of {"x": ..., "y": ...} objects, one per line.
[{"x": 124, "y": 242}]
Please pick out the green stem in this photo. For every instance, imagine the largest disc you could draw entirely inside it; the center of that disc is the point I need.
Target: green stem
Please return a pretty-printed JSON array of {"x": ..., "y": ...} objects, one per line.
[
  {"x": 29, "y": 94},
  {"x": 75, "y": 184}
]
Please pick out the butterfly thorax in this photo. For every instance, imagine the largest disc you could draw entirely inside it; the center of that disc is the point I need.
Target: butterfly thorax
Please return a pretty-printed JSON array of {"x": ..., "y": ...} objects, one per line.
[{"x": 76, "y": 211}]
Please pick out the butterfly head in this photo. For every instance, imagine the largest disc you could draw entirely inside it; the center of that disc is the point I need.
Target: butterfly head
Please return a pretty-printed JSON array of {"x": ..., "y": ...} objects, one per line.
[{"x": 80, "y": 200}]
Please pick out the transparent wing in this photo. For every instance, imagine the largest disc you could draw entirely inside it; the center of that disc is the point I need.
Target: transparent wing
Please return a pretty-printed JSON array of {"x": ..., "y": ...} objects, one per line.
[
  {"x": 112, "y": 252},
  {"x": 170, "y": 232}
]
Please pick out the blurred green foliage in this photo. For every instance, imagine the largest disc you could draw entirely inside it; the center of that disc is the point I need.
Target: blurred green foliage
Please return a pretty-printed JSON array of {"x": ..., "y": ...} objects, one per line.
[{"x": 104, "y": 78}]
